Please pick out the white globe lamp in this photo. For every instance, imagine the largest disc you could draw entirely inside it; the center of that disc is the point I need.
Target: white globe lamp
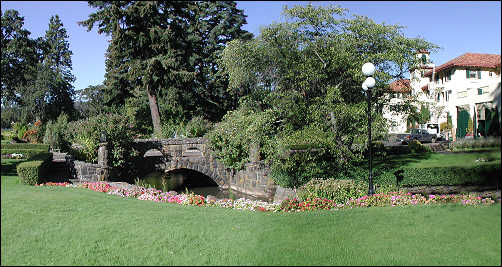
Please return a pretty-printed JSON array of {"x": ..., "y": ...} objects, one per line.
[
  {"x": 370, "y": 82},
  {"x": 368, "y": 69},
  {"x": 365, "y": 88}
]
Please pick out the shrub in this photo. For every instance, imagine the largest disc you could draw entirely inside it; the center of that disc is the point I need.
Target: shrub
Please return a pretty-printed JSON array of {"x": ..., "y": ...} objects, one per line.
[
  {"x": 486, "y": 174},
  {"x": 340, "y": 191},
  {"x": 55, "y": 133},
  {"x": 197, "y": 127},
  {"x": 231, "y": 138},
  {"x": 32, "y": 172},
  {"x": 468, "y": 144},
  {"x": 172, "y": 129},
  {"x": 20, "y": 129},
  {"x": 417, "y": 147},
  {"x": 119, "y": 136}
]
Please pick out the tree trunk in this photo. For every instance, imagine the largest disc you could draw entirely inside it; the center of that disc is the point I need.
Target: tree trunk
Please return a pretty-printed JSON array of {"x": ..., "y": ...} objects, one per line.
[{"x": 154, "y": 110}]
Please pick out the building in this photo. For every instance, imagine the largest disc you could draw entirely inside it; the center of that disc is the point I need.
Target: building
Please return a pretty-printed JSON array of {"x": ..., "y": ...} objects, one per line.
[{"x": 466, "y": 89}]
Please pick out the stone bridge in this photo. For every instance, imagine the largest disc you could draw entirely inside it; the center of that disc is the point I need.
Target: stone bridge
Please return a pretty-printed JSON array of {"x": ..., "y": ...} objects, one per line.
[{"x": 194, "y": 154}]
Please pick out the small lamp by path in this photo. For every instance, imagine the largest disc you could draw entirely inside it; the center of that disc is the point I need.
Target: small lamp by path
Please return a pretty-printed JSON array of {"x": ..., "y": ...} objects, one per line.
[
  {"x": 368, "y": 70},
  {"x": 102, "y": 137}
]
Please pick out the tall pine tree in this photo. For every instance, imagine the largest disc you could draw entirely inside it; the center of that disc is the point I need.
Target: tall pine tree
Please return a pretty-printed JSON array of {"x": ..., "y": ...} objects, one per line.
[
  {"x": 18, "y": 58},
  {"x": 145, "y": 51},
  {"x": 169, "y": 51},
  {"x": 55, "y": 72}
]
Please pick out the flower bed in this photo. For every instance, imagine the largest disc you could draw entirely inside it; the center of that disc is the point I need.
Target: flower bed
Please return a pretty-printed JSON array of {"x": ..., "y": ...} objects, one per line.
[{"x": 392, "y": 199}]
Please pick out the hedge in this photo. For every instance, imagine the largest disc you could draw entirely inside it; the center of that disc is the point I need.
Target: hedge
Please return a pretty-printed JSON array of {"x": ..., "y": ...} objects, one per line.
[
  {"x": 486, "y": 174},
  {"x": 44, "y": 147},
  {"x": 32, "y": 172},
  {"x": 27, "y": 153}
]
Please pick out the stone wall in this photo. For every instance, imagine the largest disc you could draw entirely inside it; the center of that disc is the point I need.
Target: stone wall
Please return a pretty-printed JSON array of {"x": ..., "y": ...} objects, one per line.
[
  {"x": 82, "y": 171},
  {"x": 88, "y": 172},
  {"x": 254, "y": 180}
]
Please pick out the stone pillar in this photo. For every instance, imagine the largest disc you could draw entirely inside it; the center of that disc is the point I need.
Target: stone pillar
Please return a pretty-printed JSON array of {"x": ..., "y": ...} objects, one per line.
[
  {"x": 103, "y": 161},
  {"x": 254, "y": 152}
]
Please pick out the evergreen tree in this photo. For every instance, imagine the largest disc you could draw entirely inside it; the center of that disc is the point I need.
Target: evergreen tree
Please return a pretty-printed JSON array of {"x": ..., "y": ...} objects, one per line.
[
  {"x": 54, "y": 73},
  {"x": 145, "y": 50},
  {"x": 18, "y": 58},
  {"x": 169, "y": 50},
  {"x": 211, "y": 26}
]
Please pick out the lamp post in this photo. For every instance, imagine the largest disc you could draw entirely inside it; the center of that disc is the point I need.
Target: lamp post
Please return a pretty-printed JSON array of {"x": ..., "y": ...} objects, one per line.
[{"x": 368, "y": 70}]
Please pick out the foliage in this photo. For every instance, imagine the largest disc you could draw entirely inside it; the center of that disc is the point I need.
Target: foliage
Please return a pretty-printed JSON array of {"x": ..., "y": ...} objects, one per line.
[
  {"x": 168, "y": 51},
  {"x": 55, "y": 133},
  {"x": 20, "y": 129},
  {"x": 10, "y": 114},
  {"x": 417, "y": 147},
  {"x": 43, "y": 147},
  {"x": 22, "y": 153},
  {"x": 231, "y": 138},
  {"x": 337, "y": 190},
  {"x": 19, "y": 55},
  {"x": 467, "y": 144},
  {"x": 470, "y": 126},
  {"x": 119, "y": 136},
  {"x": 393, "y": 199},
  {"x": 425, "y": 114},
  {"x": 481, "y": 174},
  {"x": 38, "y": 79},
  {"x": 304, "y": 77},
  {"x": 197, "y": 127},
  {"x": 32, "y": 172},
  {"x": 444, "y": 126},
  {"x": 90, "y": 101},
  {"x": 33, "y": 135}
]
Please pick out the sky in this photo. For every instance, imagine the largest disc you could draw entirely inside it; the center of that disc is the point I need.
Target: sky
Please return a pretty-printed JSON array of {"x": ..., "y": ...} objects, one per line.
[{"x": 457, "y": 27}]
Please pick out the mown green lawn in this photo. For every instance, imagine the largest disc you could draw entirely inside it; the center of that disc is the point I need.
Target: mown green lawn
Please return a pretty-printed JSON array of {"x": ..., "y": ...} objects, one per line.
[
  {"x": 74, "y": 226},
  {"x": 431, "y": 160}
]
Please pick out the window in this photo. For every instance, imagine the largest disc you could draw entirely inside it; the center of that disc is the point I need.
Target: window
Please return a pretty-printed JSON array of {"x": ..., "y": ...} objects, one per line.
[
  {"x": 483, "y": 90},
  {"x": 424, "y": 59},
  {"x": 473, "y": 74},
  {"x": 450, "y": 73},
  {"x": 490, "y": 74}
]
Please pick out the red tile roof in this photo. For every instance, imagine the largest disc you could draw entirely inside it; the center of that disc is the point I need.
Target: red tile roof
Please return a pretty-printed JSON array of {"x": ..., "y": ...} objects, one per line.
[
  {"x": 402, "y": 85},
  {"x": 473, "y": 60},
  {"x": 423, "y": 51}
]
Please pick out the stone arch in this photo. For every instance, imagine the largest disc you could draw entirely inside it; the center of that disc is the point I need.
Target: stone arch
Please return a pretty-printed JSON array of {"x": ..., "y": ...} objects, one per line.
[
  {"x": 213, "y": 171},
  {"x": 153, "y": 152},
  {"x": 191, "y": 178}
]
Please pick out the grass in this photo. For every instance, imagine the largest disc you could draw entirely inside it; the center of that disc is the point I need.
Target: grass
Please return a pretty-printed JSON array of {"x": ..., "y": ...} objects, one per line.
[
  {"x": 431, "y": 160},
  {"x": 73, "y": 226}
]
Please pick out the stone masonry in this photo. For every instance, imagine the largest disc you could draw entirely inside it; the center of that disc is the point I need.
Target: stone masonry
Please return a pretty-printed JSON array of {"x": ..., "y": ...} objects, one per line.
[{"x": 194, "y": 154}]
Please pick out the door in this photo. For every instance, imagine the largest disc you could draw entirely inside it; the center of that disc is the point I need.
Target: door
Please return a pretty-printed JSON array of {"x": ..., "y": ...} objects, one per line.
[{"x": 462, "y": 122}]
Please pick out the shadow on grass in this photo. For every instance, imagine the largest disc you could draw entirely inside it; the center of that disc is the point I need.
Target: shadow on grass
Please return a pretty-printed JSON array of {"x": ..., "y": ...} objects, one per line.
[
  {"x": 56, "y": 171},
  {"x": 396, "y": 161},
  {"x": 9, "y": 167},
  {"x": 386, "y": 169}
]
